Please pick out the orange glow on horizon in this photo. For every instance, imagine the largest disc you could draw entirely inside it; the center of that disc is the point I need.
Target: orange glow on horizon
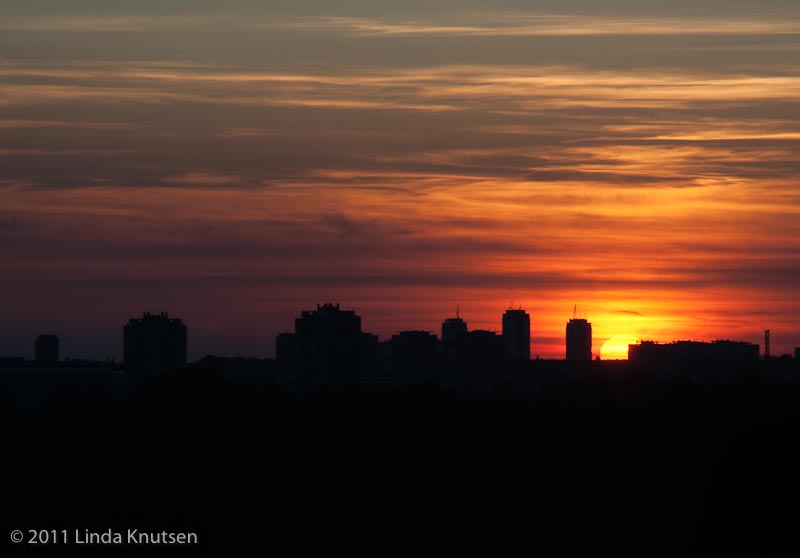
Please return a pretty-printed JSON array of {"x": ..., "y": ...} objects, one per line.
[{"x": 616, "y": 348}]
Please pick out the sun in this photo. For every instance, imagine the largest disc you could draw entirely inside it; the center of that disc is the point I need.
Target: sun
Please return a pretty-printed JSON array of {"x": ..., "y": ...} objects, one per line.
[{"x": 616, "y": 348}]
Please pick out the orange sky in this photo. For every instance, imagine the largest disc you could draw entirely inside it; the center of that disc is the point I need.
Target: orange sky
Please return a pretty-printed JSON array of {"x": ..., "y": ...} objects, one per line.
[{"x": 643, "y": 169}]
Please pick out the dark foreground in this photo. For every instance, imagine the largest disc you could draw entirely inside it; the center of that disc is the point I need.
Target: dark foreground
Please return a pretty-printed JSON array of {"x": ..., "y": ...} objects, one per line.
[{"x": 601, "y": 467}]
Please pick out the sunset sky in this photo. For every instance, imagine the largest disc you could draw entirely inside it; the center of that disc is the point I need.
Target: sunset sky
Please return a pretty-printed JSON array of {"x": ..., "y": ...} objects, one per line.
[{"x": 234, "y": 163}]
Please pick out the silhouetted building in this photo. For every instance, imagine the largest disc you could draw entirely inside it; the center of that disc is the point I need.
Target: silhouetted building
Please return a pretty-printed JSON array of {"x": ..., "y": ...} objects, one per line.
[
  {"x": 32, "y": 388},
  {"x": 517, "y": 336},
  {"x": 243, "y": 371},
  {"x": 797, "y": 353},
  {"x": 413, "y": 355},
  {"x": 11, "y": 362},
  {"x": 695, "y": 356},
  {"x": 370, "y": 354},
  {"x": 330, "y": 345},
  {"x": 453, "y": 328},
  {"x": 154, "y": 343},
  {"x": 287, "y": 349},
  {"x": 480, "y": 357},
  {"x": 579, "y": 339},
  {"x": 46, "y": 349}
]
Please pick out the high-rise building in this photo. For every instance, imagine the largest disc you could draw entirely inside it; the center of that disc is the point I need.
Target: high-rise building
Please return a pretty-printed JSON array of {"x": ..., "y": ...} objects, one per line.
[
  {"x": 579, "y": 339},
  {"x": 329, "y": 342},
  {"x": 453, "y": 328},
  {"x": 153, "y": 344},
  {"x": 797, "y": 353},
  {"x": 413, "y": 354},
  {"x": 46, "y": 349},
  {"x": 517, "y": 335},
  {"x": 480, "y": 359},
  {"x": 286, "y": 349}
]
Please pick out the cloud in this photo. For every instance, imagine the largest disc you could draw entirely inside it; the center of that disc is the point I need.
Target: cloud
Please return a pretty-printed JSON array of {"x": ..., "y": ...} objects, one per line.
[
  {"x": 11, "y": 224},
  {"x": 630, "y": 313},
  {"x": 10, "y": 124},
  {"x": 341, "y": 223},
  {"x": 111, "y": 23},
  {"x": 59, "y": 152},
  {"x": 528, "y": 89},
  {"x": 471, "y": 24},
  {"x": 205, "y": 179},
  {"x": 504, "y": 24}
]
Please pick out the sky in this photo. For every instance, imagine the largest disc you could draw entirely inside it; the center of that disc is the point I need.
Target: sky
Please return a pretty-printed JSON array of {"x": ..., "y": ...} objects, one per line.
[{"x": 235, "y": 163}]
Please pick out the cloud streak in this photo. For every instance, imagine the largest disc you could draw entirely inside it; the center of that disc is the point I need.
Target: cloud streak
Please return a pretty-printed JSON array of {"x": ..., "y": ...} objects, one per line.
[
  {"x": 532, "y": 25},
  {"x": 472, "y": 24}
]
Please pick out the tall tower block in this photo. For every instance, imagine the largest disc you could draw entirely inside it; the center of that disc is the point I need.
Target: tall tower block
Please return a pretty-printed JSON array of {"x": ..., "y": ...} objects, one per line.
[
  {"x": 517, "y": 335},
  {"x": 579, "y": 340},
  {"x": 153, "y": 344},
  {"x": 452, "y": 328}
]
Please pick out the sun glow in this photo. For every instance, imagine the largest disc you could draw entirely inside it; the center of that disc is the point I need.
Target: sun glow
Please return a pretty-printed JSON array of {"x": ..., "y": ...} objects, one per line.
[{"x": 616, "y": 348}]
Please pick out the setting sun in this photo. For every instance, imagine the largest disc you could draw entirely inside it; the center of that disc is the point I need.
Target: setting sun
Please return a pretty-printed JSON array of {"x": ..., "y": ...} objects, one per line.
[{"x": 616, "y": 348}]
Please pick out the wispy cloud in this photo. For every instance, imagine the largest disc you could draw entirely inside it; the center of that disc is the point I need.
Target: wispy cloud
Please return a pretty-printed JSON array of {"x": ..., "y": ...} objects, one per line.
[
  {"x": 208, "y": 179},
  {"x": 82, "y": 152},
  {"x": 496, "y": 88},
  {"x": 503, "y": 24},
  {"x": 111, "y": 24},
  {"x": 16, "y": 124},
  {"x": 470, "y": 24}
]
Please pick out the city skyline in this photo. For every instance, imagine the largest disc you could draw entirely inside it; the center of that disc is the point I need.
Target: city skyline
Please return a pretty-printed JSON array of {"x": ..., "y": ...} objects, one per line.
[
  {"x": 233, "y": 163},
  {"x": 612, "y": 347},
  {"x": 400, "y": 277},
  {"x": 578, "y": 338}
]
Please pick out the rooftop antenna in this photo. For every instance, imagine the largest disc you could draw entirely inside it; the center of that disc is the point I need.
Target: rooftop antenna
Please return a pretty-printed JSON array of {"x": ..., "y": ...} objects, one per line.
[
  {"x": 458, "y": 311},
  {"x": 766, "y": 343},
  {"x": 574, "y": 311}
]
